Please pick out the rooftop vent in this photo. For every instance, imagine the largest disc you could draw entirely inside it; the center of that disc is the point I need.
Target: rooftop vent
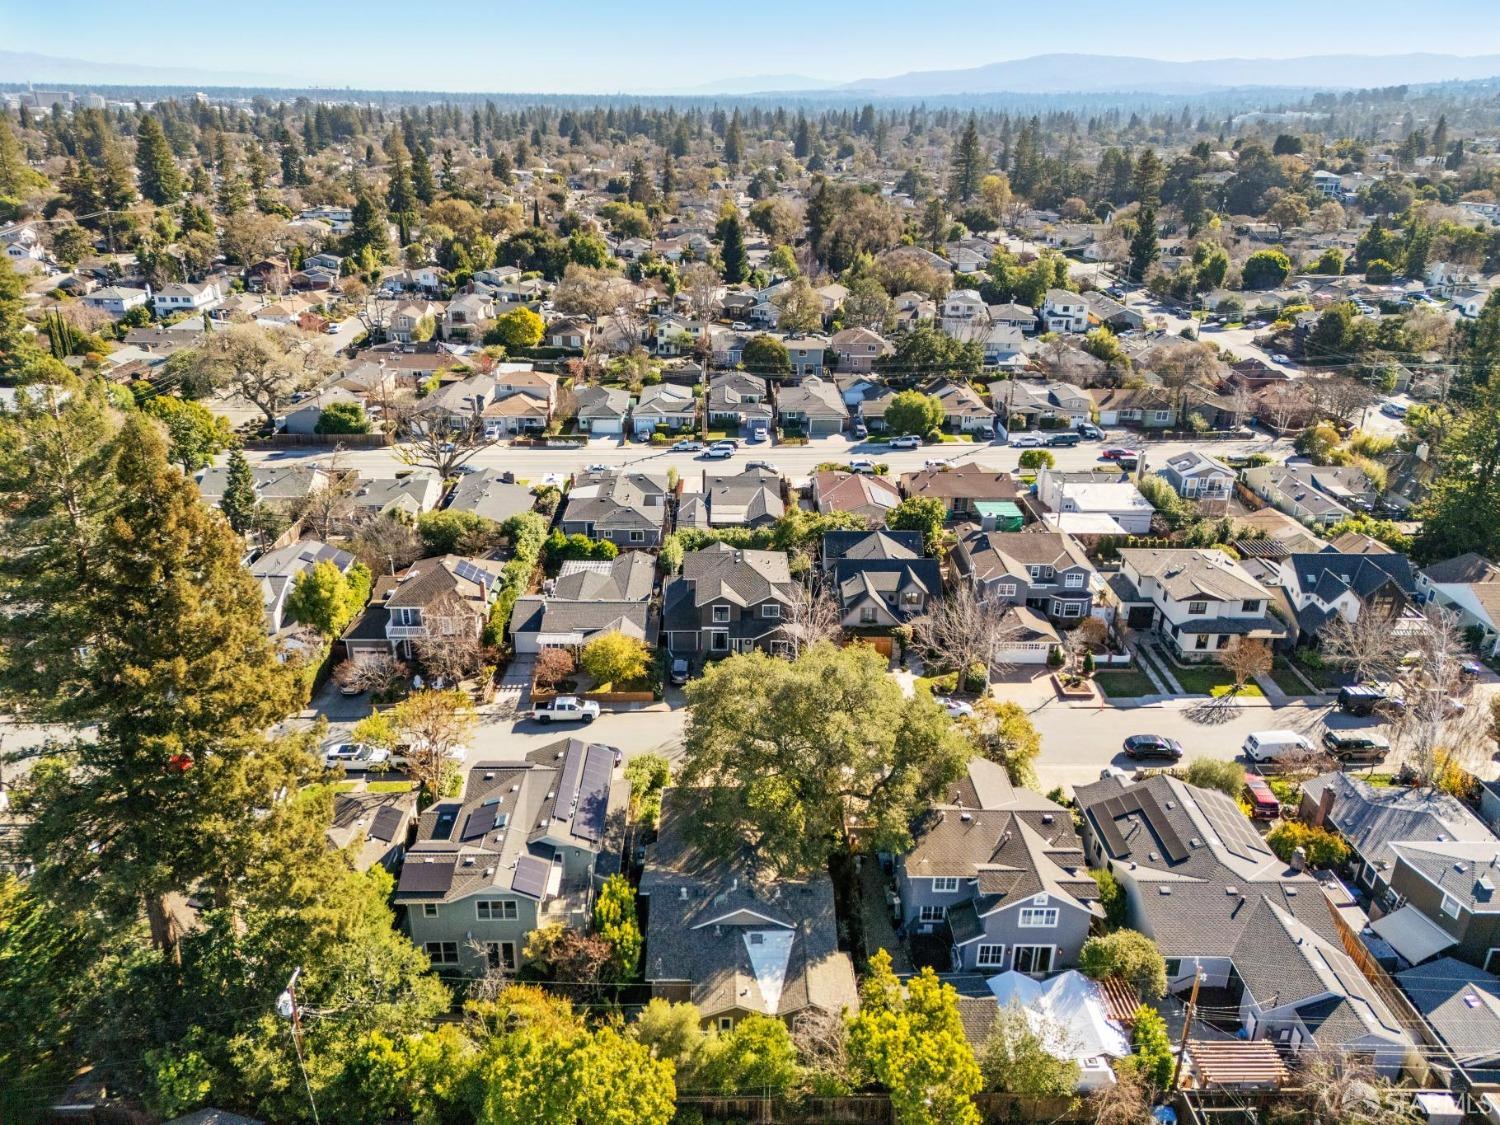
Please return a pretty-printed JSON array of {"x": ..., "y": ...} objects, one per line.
[
  {"x": 489, "y": 775},
  {"x": 1163, "y": 890},
  {"x": 682, "y": 893},
  {"x": 1047, "y": 818},
  {"x": 468, "y": 861},
  {"x": 965, "y": 816},
  {"x": 489, "y": 871},
  {"x": 1231, "y": 890},
  {"x": 1195, "y": 842}
]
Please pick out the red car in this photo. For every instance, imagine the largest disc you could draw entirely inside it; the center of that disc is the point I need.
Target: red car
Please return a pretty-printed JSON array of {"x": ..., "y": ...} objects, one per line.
[
  {"x": 1117, "y": 453},
  {"x": 1263, "y": 802}
]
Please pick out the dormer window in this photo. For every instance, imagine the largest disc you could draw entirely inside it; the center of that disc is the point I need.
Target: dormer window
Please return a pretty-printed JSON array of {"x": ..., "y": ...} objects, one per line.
[{"x": 721, "y": 614}]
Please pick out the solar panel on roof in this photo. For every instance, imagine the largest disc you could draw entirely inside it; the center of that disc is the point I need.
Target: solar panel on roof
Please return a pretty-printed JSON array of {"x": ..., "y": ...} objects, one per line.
[
  {"x": 572, "y": 774},
  {"x": 593, "y": 793},
  {"x": 385, "y": 824},
  {"x": 531, "y": 876},
  {"x": 1233, "y": 829},
  {"x": 1161, "y": 827},
  {"x": 426, "y": 876},
  {"x": 471, "y": 572},
  {"x": 1105, "y": 822},
  {"x": 480, "y": 821}
]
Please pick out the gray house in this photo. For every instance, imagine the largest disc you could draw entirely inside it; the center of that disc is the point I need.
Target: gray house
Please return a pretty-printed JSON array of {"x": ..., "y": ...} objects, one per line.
[
  {"x": 880, "y": 583},
  {"x": 727, "y": 600},
  {"x": 1043, "y": 570},
  {"x": 738, "y": 398},
  {"x": 602, "y": 410},
  {"x": 589, "y": 597},
  {"x": 723, "y": 936},
  {"x": 277, "y": 571},
  {"x": 751, "y": 498},
  {"x": 1197, "y": 476},
  {"x": 628, "y": 509},
  {"x": 1001, "y": 871},
  {"x": 522, "y": 848},
  {"x": 814, "y": 407}
]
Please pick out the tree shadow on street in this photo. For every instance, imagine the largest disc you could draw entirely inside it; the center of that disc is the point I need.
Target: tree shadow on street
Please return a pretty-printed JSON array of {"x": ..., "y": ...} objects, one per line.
[{"x": 1215, "y": 711}]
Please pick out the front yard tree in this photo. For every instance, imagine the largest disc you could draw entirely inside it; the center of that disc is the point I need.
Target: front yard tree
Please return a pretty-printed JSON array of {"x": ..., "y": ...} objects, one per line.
[
  {"x": 797, "y": 750},
  {"x": 912, "y": 1042},
  {"x": 1246, "y": 659},
  {"x": 1037, "y": 459},
  {"x": 920, "y": 513},
  {"x": 264, "y": 366},
  {"x": 964, "y": 632},
  {"x": 174, "y": 667},
  {"x": 1144, "y": 250},
  {"x": 197, "y": 435},
  {"x": 1004, "y": 734},
  {"x": 614, "y": 658},
  {"x": 325, "y": 599},
  {"x": 912, "y": 412},
  {"x": 517, "y": 330},
  {"x": 442, "y": 441},
  {"x": 766, "y": 355},
  {"x": 432, "y": 726}
]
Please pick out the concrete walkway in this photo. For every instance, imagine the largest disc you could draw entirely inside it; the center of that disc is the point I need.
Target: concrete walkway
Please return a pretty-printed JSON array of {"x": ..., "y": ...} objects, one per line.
[{"x": 1163, "y": 668}]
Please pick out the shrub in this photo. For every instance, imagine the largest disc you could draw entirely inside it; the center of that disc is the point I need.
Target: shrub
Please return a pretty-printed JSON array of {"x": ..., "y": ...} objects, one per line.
[
  {"x": 1127, "y": 954},
  {"x": 615, "y": 658},
  {"x": 1211, "y": 773},
  {"x": 648, "y": 775},
  {"x": 552, "y": 665},
  {"x": 1153, "y": 1047},
  {"x": 1323, "y": 848},
  {"x": 1111, "y": 897}
]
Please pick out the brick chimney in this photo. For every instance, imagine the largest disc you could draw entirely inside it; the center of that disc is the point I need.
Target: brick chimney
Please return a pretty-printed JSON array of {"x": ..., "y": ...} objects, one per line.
[{"x": 1325, "y": 806}]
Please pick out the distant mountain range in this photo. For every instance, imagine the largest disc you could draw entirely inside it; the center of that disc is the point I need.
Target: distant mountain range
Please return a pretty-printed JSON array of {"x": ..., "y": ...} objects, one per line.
[
  {"x": 26, "y": 66},
  {"x": 1061, "y": 73},
  {"x": 1039, "y": 74}
]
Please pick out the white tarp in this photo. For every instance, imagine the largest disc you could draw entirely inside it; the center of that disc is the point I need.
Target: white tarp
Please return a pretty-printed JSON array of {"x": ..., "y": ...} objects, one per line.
[
  {"x": 1069, "y": 1006},
  {"x": 1412, "y": 934}
]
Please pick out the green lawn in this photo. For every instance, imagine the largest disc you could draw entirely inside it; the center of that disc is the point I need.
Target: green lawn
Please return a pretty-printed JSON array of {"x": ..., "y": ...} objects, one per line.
[
  {"x": 1124, "y": 683},
  {"x": 387, "y": 786},
  {"x": 1210, "y": 679},
  {"x": 947, "y": 439},
  {"x": 1287, "y": 681}
]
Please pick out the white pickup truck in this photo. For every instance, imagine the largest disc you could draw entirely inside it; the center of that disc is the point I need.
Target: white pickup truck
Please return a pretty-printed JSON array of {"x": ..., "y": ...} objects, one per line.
[{"x": 566, "y": 709}]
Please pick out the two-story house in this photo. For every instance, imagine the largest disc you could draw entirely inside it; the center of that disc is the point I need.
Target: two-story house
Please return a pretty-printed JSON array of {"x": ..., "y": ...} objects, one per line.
[
  {"x": 728, "y": 600},
  {"x": 277, "y": 572},
  {"x": 1199, "y": 601},
  {"x": 1093, "y": 503},
  {"x": 1318, "y": 495},
  {"x": 627, "y": 508},
  {"x": 750, "y": 498},
  {"x": 436, "y": 597},
  {"x": 723, "y": 934},
  {"x": 881, "y": 578},
  {"x": 1468, "y": 586},
  {"x": 1044, "y": 570},
  {"x": 1202, "y": 884},
  {"x": 738, "y": 399},
  {"x": 964, "y": 312},
  {"x": 1332, "y": 584},
  {"x": 117, "y": 300},
  {"x": 410, "y": 318},
  {"x": 1063, "y": 311},
  {"x": 465, "y": 316},
  {"x": 806, "y": 354},
  {"x": 968, "y": 490},
  {"x": 522, "y": 848},
  {"x": 588, "y": 597},
  {"x": 186, "y": 296},
  {"x": 857, "y": 349},
  {"x": 863, "y": 494},
  {"x": 1001, "y": 872},
  {"x": 1199, "y": 477}
]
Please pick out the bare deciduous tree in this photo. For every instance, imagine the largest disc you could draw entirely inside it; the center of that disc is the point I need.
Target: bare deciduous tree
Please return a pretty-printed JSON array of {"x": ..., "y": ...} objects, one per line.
[
  {"x": 1436, "y": 730},
  {"x": 264, "y": 366},
  {"x": 811, "y": 617},
  {"x": 328, "y": 509},
  {"x": 378, "y": 673},
  {"x": 385, "y": 543},
  {"x": 439, "y": 439},
  {"x": 965, "y": 631},
  {"x": 1246, "y": 659},
  {"x": 1367, "y": 646}
]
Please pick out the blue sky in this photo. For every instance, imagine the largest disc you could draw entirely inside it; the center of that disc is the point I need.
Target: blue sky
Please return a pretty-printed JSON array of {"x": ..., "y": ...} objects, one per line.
[{"x": 659, "y": 45}]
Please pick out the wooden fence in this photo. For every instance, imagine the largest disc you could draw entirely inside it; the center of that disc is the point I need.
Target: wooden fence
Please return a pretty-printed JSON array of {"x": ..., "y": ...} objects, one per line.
[
  {"x": 319, "y": 441},
  {"x": 871, "y": 1109}
]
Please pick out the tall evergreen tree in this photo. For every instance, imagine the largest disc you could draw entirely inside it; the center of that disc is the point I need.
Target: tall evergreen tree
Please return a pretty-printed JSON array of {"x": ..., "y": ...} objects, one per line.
[
  {"x": 967, "y": 168},
  {"x": 238, "y": 502},
  {"x": 421, "y": 175},
  {"x": 734, "y": 142},
  {"x": 178, "y": 676},
  {"x": 159, "y": 178},
  {"x": 732, "y": 238},
  {"x": 1144, "y": 250}
]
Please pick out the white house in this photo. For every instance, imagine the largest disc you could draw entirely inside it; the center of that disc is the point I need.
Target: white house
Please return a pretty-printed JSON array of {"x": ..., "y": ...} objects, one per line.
[
  {"x": 186, "y": 296},
  {"x": 1084, "y": 493},
  {"x": 1200, "y": 600},
  {"x": 1063, "y": 311},
  {"x": 117, "y": 300}
]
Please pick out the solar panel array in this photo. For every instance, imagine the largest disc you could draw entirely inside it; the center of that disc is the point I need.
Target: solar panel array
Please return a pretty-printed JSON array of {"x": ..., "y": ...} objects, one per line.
[
  {"x": 426, "y": 876},
  {"x": 385, "y": 824},
  {"x": 1234, "y": 830},
  {"x": 480, "y": 821},
  {"x": 1142, "y": 803},
  {"x": 593, "y": 794},
  {"x": 531, "y": 876},
  {"x": 568, "y": 781},
  {"x": 468, "y": 570}
]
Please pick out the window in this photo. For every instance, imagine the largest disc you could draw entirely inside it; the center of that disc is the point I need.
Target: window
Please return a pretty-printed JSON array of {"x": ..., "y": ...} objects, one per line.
[
  {"x": 991, "y": 956},
  {"x": 501, "y": 954},
  {"x": 1450, "y": 906},
  {"x": 945, "y": 884},
  {"x": 1071, "y": 609},
  {"x": 770, "y": 609},
  {"x": 1488, "y": 960},
  {"x": 637, "y": 536},
  {"x": 1197, "y": 609},
  {"x": 1161, "y": 415},
  {"x": 867, "y": 615},
  {"x": 1174, "y": 967},
  {"x": 1073, "y": 581},
  {"x": 442, "y": 952},
  {"x": 1200, "y": 641},
  {"x": 1005, "y": 590},
  {"x": 719, "y": 642},
  {"x": 429, "y": 910},
  {"x": 1250, "y": 605},
  {"x": 933, "y": 913},
  {"x": 1038, "y": 917},
  {"x": 726, "y": 1023},
  {"x": 911, "y": 597},
  {"x": 1036, "y": 572},
  {"x": 721, "y": 613},
  {"x": 496, "y": 910},
  {"x": 1222, "y": 641},
  {"x": 1032, "y": 959}
]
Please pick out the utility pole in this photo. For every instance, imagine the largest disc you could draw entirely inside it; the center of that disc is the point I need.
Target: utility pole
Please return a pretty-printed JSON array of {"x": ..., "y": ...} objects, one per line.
[
  {"x": 288, "y": 1009},
  {"x": 1187, "y": 1024}
]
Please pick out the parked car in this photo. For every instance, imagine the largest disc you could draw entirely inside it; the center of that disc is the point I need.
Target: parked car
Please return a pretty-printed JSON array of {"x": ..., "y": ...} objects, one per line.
[
  {"x": 1471, "y": 669},
  {"x": 343, "y": 752},
  {"x": 566, "y": 709},
  {"x": 1268, "y": 745},
  {"x": 598, "y": 468},
  {"x": 861, "y": 465},
  {"x": 1028, "y": 441},
  {"x": 679, "y": 672},
  {"x": 1118, "y": 453},
  {"x": 1063, "y": 439},
  {"x": 936, "y": 463},
  {"x": 1393, "y": 410},
  {"x": 330, "y": 329},
  {"x": 717, "y": 453},
  {"x": 357, "y": 756},
  {"x": 1090, "y": 432},
  {"x": 758, "y": 432},
  {"x": 1153, "y": 746},
  {"x": 906, "y": 441},
  {"x": 1356, "y": 745},
  {"x": 861, "y": 431},
  {"x": 1263, "y": 803},
  {"x": 727, "y": 443},
  {"x": 740, "y": 326},
  {"x": 765, "y": 466},
  {"x": 956, "y": 708},
  {"x": 687, "y": 446},
  {"x": 1362, "y": 699},
  {"x": 1278, "y": 357}
]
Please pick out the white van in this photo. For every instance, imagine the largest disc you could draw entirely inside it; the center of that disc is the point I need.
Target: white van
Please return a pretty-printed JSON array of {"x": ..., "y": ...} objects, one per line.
[{"x": 1268, "y": 745}]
